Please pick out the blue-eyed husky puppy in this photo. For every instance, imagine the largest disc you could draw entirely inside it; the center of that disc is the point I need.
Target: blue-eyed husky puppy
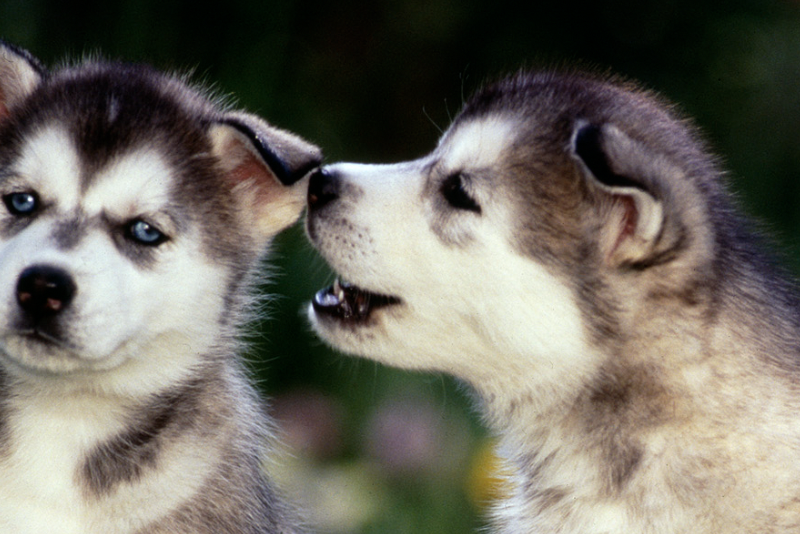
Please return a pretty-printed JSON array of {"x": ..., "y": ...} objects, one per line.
[{"x": 134, "y": 213}]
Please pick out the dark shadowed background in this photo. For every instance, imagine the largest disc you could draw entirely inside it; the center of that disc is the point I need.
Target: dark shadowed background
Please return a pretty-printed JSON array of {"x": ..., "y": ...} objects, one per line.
[{"x": 370, "y": 449}]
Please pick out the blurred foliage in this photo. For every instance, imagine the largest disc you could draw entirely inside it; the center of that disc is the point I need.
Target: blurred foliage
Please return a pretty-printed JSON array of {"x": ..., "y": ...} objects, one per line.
[{"x": 376, "y": 81}]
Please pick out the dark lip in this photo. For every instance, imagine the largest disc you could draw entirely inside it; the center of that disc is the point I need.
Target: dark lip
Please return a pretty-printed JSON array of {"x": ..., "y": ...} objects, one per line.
[
  {"x": 350, "y": 303},
  {"x": 42, "y": 336}
]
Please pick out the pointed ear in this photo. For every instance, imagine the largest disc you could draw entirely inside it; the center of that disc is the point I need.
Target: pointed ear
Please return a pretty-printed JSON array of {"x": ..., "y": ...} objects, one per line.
[
  {"x": 265, "y": 168},
  {"x": 626, "y": 175},
  {"x": 20, "y": 74}
]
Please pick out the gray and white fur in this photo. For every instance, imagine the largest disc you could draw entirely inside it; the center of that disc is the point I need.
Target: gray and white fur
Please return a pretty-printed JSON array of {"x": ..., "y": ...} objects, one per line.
[
  {"x": 135, "y": 214},
  {"x": 570, "y": 250}
]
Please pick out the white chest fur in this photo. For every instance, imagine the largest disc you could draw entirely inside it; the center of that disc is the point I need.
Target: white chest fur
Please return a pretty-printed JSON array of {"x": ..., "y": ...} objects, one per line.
[
  {"x": 49, "y": 437},
  {"x": 42, "y": 490}
]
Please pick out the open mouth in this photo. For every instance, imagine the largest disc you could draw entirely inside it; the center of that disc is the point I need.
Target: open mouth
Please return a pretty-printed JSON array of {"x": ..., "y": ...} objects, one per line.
[{"x": 350, "y": 303}]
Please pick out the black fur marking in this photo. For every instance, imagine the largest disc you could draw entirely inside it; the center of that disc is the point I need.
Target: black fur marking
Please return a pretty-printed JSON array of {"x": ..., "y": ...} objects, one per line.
[
  {"x": 621, "y": 404},
  {"x": 10, "y": 226},
  {"x": 623, "y": 459},
  {"x": 589, "y": 148},
  {"x": 599, "y": 306},
  {"x": 276, "y": 164},
  {"x": 125, "y": 457},
  {"x": 282, "y": 171},
  {"x": 69, "y": 233}
]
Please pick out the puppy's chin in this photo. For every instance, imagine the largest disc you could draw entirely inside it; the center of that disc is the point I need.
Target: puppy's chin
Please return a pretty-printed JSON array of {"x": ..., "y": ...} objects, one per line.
[{"x": 37, "y": 354}]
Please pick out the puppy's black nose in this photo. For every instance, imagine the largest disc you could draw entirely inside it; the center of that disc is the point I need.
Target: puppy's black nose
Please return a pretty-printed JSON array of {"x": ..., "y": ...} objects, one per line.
[
  {"x": 323, "y": 188},
  {"x": 43, "y": 290}
]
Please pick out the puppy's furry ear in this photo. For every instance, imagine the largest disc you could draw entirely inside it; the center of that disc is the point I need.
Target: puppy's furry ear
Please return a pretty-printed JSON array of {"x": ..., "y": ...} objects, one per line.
[
  {"x": 20, "y": 73},
  {"x": 265, "y": 168},
  {"x": 626, "y": 175}
]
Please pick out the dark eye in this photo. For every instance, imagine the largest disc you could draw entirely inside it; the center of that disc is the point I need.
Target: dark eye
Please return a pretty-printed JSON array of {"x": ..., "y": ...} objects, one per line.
[
  {"x": 145, "y": 233},
  {"x": 21, "y": 204},
  {"x": 455, "y": 194}
]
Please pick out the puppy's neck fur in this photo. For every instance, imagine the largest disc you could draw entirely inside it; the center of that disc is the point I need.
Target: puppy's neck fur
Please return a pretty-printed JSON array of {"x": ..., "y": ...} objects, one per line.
[{"x": 111, "y": 450}]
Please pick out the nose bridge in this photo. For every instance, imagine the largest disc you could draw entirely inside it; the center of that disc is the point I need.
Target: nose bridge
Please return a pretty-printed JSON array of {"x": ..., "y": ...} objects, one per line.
[
  {"x": 367, "y": 173},
  {"x": 47, "y": 240},
  {"x": 377, "y": 181},
  {"x": 68, "y": 231}
]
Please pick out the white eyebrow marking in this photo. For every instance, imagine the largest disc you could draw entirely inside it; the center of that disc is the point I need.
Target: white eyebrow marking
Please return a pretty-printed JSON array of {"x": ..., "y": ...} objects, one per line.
[
  {"x": 478, "y": 143},
  {"x": 49, "y": 163},
  {"x": 133, "y": 184}
]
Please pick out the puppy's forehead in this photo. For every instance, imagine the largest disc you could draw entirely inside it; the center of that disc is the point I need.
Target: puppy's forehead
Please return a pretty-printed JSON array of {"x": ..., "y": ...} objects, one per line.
[
  {"x": 135, "y": 181},
  {"x": 478, "y": 142},
  {"x": 132, "y": 183}
]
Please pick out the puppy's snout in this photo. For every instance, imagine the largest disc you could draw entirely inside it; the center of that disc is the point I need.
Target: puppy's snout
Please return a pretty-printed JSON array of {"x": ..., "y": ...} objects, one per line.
[
  {"x": 44, "y": 290},
  {"x": 323, "y": 188}
]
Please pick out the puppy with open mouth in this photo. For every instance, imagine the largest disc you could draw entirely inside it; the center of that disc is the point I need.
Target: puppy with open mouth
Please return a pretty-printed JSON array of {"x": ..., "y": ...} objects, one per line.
[{"x": 570, "y": 251}]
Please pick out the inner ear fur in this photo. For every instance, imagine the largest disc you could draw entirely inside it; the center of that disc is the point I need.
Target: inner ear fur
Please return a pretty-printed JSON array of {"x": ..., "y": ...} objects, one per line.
[
  {"x": 265, "y": 167},
  {"x": 627, "y": 176},
  {"x": 20, "y": 74}
]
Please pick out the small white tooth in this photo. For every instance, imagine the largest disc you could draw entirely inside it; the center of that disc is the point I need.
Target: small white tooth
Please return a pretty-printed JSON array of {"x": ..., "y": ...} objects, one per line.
[
  {"x": 337, "y": 290},
  {"x": 327, "y": 299}
]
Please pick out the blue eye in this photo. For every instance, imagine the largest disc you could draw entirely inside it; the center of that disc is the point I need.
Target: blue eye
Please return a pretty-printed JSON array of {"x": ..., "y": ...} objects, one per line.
[
  {"x": 145, "y": 233},
  {"x": 21, "y": 203}
]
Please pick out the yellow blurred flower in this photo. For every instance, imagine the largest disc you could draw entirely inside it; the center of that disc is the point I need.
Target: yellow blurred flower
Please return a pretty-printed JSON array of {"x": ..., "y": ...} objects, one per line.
[{"x": 488, "y": 478}]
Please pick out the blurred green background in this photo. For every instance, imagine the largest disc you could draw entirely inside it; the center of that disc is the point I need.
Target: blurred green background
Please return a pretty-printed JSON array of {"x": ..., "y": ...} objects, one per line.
[{"x": 370, "y": 449}]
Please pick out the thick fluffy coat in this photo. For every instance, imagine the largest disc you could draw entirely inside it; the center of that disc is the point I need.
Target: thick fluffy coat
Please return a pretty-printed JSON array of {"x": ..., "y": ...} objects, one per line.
[
  {"x": 135, "y": 214},
  {"x": 570, "y": 251}
]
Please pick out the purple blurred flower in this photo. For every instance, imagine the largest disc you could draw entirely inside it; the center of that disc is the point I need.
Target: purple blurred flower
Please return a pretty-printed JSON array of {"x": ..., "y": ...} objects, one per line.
[
  {"x": 405, "y": 436},
  {"x": 310, "y": 422}
]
